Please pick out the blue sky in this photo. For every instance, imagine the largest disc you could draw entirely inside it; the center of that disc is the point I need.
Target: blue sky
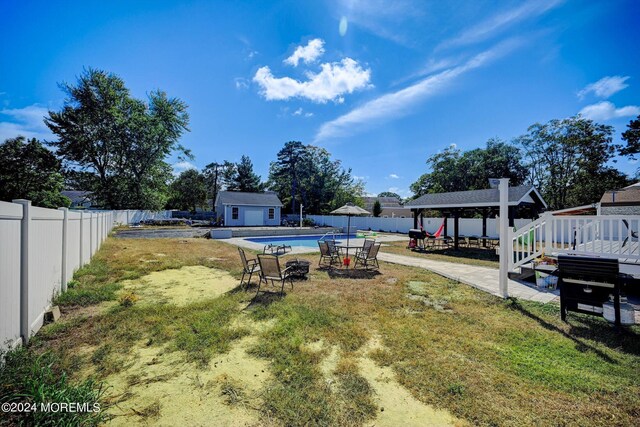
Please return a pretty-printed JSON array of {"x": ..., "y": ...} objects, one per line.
[{"x": 381, "y": 85}]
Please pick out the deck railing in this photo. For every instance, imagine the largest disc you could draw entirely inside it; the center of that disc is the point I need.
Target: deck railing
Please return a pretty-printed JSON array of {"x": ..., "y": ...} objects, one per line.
[{"x": 605, "y": 235}]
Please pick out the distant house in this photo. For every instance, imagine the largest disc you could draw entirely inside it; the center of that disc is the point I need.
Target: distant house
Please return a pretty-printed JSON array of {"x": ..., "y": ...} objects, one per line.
[
  {"x": 79, "y": 199},
  {"x": 391, "y": 206},
  {"x": 248, "y": 209},
  {"x": 625, "y": 201}
]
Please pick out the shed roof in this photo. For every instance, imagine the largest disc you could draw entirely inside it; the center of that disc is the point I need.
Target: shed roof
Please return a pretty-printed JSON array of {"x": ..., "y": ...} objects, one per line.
[
  {"x": 241, "y": 198},
  {"x": 476, "y": 198}
]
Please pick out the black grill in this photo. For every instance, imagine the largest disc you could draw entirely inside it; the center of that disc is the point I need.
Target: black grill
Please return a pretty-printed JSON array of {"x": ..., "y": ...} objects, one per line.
[{"x": 414, "y": 233}]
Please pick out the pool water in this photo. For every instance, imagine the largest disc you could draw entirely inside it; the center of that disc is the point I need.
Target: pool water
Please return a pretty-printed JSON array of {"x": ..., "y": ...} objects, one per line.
[{"x": 299, "y": 241}]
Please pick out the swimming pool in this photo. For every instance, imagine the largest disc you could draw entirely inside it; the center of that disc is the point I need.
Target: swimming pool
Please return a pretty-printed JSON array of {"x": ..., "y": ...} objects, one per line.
[{"x": 298, "y": 241}]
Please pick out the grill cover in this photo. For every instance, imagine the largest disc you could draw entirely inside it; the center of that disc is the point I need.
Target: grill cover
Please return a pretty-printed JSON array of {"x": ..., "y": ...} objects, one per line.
[{"x": 415, "y": 233}]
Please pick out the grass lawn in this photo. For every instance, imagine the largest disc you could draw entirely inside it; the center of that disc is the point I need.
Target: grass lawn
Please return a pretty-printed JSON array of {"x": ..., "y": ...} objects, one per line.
[
  {"x": 164, "y": 325},
  {"x": 472, "y": 256}
]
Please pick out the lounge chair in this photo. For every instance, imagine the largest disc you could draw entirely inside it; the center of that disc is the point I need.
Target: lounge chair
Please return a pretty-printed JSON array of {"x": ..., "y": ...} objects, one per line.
[
  {"x": 328, "y": 252},
  {"x": 276, "y": 249},
  {"x": 249, "y": 266},
  {"x": 368, "y": 257},
  {"x": 270, "y": 270}
]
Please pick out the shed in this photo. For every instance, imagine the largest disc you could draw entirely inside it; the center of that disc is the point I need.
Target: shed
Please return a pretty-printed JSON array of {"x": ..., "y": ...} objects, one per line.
[
  {"x": 239, "y": 208},
  {"x": 485, "y": 202}
]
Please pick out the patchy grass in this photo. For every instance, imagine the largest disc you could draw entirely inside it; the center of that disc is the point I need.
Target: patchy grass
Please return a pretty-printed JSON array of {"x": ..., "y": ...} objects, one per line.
[
  {"x": 472, "y": 256},
  {"x": 452, "y": 353},
  {"x": 27, "y": 378}
]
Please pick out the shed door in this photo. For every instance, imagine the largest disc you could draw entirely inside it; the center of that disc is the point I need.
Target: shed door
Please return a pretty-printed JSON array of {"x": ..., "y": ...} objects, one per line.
[{"x": 253, "y": 217}]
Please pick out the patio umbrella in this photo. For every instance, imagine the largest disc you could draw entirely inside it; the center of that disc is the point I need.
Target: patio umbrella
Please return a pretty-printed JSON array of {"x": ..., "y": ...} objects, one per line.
[{"x": 350, "y": 209}]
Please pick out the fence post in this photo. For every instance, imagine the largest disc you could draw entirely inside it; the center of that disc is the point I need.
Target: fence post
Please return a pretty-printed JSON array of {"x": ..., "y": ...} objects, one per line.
[
  {"x": 65, "y": 239},
  {"x": 24, "y": 268},
  {"x": 81, "y": 238},
  {"x": 548, "y": 233},
  {"x": 90, "y": 235}
]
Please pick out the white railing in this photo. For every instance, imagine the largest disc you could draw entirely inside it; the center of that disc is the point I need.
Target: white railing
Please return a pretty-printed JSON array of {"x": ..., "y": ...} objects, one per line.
[
  {"x": 527, "y": 242},
  {"x": 614, "y": 236},
  {"x": 40, "y": 249}
]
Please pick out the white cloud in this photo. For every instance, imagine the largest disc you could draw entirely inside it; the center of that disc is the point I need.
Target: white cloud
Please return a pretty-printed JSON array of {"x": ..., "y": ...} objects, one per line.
[
  {"x": 308, "y": 114},
  {"x": 298, "y": 112},
  {"x": 241, "y": 83},
  {"x": 27, "y": 121},
  {"x": 400, "y": 103},
  {"x": 301, "y": 112},
  {"x": 393, "y": 176},
  {"x": 309, "y": 53},
  {"x": 605, "y": 87},
  {"x": 334, "y": 80},
  {"x": 182, "y": 166},
  {"x": 605, "y": 110},
  {"x": 499, "y": 22}
]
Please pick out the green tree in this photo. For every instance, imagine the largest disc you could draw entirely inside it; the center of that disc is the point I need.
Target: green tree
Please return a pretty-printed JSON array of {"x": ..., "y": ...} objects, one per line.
[
  {"x": 122, "y": 141},
  {"x": 218, "y": 177},
  {"x": 28, "y": 170},
  {"x": 568, "y": 160},
  {"x": 377, "y": 208},
  {"x": 306, "y": 174},
  {"x": 390, "y": 194},
  {"x": 246, "y": 179},
  {"x": 632, "y": 137},
  {"x": 453, "y": 170},
  {"x": 188, "y": 191}
]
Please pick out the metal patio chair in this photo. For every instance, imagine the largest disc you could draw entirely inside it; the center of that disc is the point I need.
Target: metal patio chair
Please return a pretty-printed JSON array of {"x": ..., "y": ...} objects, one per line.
[
  {"x": 249, "y": 266},
  {"x": 270, "y": 270}
]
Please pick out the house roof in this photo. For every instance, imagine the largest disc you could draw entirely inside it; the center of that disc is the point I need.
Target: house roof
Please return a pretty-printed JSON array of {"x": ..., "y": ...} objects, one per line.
[
  {"x": 626, "y": 196},
  {"x": 77, "y": 196},
  {"x": 476, "y": 198},
  {"x": 385, "y": 202},
  {"x": 248, "y": 199}
]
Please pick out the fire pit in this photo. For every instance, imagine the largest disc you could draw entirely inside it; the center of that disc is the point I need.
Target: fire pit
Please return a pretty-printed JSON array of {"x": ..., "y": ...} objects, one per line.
[{"x": 299, "y": 268}]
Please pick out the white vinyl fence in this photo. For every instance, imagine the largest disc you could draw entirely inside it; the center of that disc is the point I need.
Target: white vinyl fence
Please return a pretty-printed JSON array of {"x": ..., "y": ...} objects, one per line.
[
  {"x": 468, "y": 226},
  {"x": 130, "y": 216},
  {"x": 40, "y": 249}
]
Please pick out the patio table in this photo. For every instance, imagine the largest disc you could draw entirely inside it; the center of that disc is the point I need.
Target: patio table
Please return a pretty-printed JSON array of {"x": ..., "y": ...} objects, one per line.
[{"x": 347, "y": 247}]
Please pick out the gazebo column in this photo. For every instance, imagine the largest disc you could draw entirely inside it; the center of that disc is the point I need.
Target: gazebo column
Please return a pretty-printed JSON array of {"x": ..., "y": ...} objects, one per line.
[
  {"x": 446, "y": 225},
  {"x": 415, "y": 218},
  {"x": 512, "y": 215},
  {"x": 456, "y": 228}
]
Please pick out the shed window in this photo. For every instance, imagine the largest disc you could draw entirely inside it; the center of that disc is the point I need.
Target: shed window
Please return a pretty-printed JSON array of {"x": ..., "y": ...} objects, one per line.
[
  {"x": 234, "y": 212},
  {"x": 272, "y": 213}
]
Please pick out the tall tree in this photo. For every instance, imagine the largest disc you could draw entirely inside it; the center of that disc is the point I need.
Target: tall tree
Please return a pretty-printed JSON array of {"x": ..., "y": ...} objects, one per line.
[
  {"x": 632, "y": 137},
  {"x": 453, "y": 170},
  {"x": 122, "y": 141},
  {"x": 218, "y": 177},
  {"x": 568, "y": 160},
  {"x": 306, "y": 174},
  {"x": 377, "y": 208},
  {"x": 246, "y": 179},
  {"x": 188, "y": 191},
  {"x": 285, "y": 174},
  {"x": 28, "y": 170}
]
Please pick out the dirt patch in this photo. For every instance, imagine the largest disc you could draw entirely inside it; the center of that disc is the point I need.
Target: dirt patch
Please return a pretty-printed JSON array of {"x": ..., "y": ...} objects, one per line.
[
  {"x": 397, "y": 405},
  {"x": 160, "y": 388},
  {"x": 181, "y": 286}
]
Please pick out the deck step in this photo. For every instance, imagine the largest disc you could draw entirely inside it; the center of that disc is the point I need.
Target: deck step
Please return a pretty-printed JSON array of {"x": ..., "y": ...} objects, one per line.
[{"x": 526, "y": 274}]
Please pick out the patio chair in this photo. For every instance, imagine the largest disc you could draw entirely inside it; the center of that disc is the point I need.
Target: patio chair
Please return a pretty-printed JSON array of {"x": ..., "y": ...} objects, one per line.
[
  {"x": 270, "y": 270},
  {"x": 249, "y": 266},
  {"x": 329, "y": 252},
  {"x": 368, "y": 257}
]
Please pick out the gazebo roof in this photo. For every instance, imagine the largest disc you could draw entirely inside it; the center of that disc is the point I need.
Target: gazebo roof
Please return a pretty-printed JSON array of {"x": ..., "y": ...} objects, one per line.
[{"x": 524, "y": 194}]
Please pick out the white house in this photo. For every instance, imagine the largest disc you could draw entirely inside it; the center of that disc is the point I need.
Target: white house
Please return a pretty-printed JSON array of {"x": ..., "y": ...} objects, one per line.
[{"x": 248, "y": 209}]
